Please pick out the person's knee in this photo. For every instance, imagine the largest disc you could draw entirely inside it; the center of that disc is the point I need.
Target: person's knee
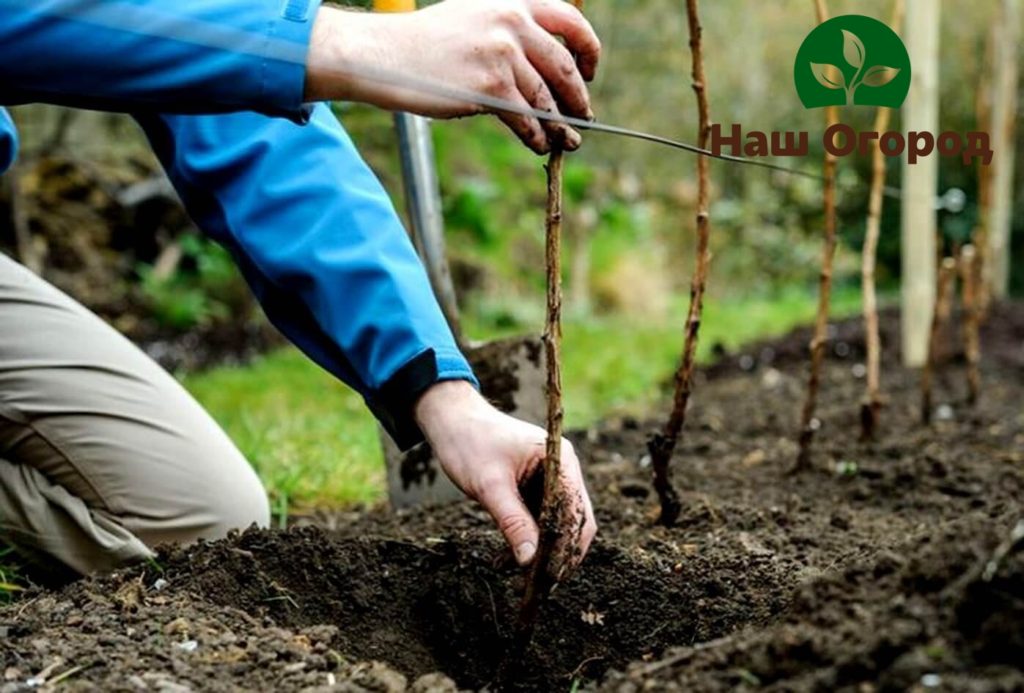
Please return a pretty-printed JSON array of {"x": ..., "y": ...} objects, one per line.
[
  {"x": 248, "y": 505},
  {"x": 215, "y": 493},
  {"x": 234, "y": 503}
]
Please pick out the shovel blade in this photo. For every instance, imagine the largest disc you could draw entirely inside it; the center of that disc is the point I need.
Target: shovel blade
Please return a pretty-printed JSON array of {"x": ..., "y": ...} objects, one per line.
[{"x": 512, "y": 377}]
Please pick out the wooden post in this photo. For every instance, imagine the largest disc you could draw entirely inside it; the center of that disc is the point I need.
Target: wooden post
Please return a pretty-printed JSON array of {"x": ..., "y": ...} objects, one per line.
[
  {"x": 1004, "y": 113},
  {"x": 920, "y": 183},
  {"x": 983, "y": 122}
]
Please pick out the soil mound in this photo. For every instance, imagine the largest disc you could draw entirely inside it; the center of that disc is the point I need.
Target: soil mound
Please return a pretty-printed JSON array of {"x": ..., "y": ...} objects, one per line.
[{"x": 874, "y": 571}]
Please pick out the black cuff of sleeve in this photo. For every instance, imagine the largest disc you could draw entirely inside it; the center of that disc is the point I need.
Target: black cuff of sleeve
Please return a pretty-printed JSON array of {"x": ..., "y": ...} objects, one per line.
[
  {"x": 393, "y": 403},
  {"x": 304, "y": 114}
]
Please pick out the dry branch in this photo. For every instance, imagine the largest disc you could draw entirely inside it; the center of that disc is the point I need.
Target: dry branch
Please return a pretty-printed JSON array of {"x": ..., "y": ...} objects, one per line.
[
  {"x": 662, "y": 446},
  {"x": 968, "y": 267},
  {"x": 808, "y": 423},
  {"x": 987, "y": 569},
  {"x": 943, "y": 307},
  {"x": 872, "y": 404}
]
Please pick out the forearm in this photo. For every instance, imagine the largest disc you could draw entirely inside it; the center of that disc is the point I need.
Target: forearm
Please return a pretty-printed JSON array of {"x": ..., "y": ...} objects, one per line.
[
  {"x": 322, "y": 247},
  {"x": 187, "y": 56},
  {"x": 342, "y": 42}
]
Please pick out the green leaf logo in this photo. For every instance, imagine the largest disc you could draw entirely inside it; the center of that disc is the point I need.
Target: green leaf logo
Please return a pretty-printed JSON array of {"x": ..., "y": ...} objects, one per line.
[
  {"x": 828, "y": 76},
  {"x": 879, "y": 76},
  {"x": 852, "y": 60},
  {"x": 853, "y": 49}
]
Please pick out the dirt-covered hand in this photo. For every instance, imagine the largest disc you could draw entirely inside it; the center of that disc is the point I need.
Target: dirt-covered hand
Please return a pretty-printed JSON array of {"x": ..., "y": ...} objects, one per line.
[
  {"x": 501, "y": 48},
  {"x": 489, "y": 455}
]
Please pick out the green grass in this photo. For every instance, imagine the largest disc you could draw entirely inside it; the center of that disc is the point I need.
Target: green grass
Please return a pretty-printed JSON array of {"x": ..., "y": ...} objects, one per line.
[
  {"x": 309, "y": 437},
  {"x": 10, "y": 575},
  {"x": 629, "y": 363},
  {"x": 314, "y": 444}
]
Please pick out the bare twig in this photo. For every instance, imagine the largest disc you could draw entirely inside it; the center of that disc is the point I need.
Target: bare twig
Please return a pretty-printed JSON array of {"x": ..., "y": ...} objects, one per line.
[
  {"x": 872, "y": 404},
  {"x": 554, "y": 506},
  {"x": 808, "y": 423},
  {"x": 968, "y": 267},
  {"x": 662, "y": 446},
  {"x": 681, "y": 656},
  {"x": 552, "y": 509},
  {"x": 943, "y": 307},
  {"x": 986, "y": 569}
]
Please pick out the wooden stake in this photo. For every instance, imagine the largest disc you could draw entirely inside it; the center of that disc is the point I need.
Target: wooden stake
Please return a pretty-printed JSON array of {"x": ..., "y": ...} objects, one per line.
[
  {"x": 553, "y": 513},
  {"x": 808, "y": 423},
  {"x": 872, "y": 404},
  {"x": 983, "y": 122},
  {"x": 946, "y": 285},
  {"x": 920, "y": 183},
  {"x": 1004, "y": 119},
  {"x": 662, "y": 446},
  {"x": 968, "y": 267}
]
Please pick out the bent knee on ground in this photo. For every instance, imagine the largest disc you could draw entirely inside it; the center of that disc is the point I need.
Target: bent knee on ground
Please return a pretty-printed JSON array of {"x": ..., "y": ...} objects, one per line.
[{"x": 222, "y": 494}]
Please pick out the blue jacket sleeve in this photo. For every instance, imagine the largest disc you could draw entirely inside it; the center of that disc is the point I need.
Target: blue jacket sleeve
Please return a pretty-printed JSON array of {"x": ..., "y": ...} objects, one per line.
[
  {"x": 322, "y": 247},
  {"x": 8, "y": 140},
  {"x": 184, "y": 56}
]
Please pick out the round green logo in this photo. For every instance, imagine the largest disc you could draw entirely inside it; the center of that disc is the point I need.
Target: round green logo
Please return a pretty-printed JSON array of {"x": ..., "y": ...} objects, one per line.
[{"x": 852, "y": 60}]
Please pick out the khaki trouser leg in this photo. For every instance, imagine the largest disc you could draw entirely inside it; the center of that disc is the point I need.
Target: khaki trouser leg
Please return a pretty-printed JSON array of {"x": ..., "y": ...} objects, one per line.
[{"x": 103, "y": 454}]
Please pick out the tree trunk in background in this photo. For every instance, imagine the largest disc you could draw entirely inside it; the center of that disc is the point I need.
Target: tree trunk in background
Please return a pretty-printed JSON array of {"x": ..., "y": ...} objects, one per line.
[
  {"x": 578, "y": 237},
  {"x": 983, "y": 122},
  {"x": 920, "y": 183},
  {"x": 1004, "y": 112}
]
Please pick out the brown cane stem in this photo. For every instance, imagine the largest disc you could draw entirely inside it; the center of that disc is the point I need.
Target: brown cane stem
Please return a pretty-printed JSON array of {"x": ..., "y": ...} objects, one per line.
[
  {"x": 872, "y": 404},
  {"x": 662, "y": 446},
  {"x": 808, "y": 423},
  {"x": 943, "y": 307},
  {"x": 553, "y": 514},
  {"x": 968, "y": 267}
]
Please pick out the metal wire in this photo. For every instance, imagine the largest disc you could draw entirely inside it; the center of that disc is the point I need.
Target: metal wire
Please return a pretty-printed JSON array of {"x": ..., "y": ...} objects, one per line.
[{"x": 160, "y": 23}]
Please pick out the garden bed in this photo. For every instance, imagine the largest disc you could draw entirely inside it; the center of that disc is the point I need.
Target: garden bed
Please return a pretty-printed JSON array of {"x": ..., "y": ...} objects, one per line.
[{"x": 863, "y": 571}]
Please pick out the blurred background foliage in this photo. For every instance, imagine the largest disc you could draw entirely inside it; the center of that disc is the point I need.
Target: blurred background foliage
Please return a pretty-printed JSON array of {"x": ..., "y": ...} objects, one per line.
[{"x": 630, "y": 230}]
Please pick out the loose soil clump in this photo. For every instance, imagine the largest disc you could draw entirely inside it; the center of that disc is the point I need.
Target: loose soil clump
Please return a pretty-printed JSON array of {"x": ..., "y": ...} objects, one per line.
[{"x": 863, "y": 573}]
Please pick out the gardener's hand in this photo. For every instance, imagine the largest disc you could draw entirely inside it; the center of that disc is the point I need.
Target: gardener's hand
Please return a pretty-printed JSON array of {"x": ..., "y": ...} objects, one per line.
[
  {"x": 501, "y": 48},
  {"x": 489, "y": 455}
]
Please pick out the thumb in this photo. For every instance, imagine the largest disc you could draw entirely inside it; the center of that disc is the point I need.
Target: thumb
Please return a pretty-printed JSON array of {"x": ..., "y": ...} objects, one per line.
[{"x": 513, "y": 519}]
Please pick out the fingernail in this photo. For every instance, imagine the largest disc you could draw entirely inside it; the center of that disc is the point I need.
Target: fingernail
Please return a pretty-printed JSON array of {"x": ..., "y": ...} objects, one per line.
[{"x": 525, "y": 552}]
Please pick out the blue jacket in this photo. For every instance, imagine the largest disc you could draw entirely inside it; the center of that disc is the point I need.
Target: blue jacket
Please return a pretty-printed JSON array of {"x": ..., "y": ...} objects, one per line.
[{"x": 217, "y": 85}]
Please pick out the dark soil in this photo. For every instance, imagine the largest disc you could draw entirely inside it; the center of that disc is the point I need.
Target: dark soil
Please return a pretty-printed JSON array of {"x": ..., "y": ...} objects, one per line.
[{"x": 865, "y": 574}]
